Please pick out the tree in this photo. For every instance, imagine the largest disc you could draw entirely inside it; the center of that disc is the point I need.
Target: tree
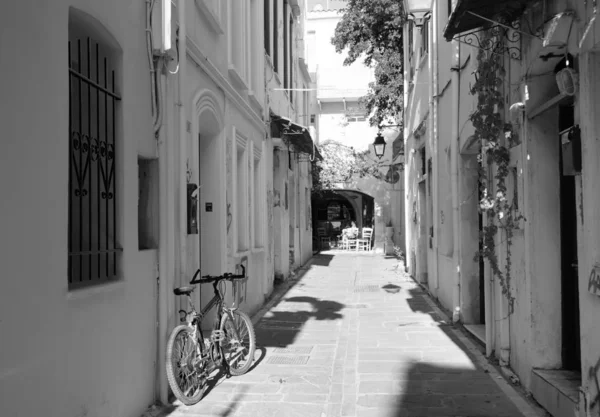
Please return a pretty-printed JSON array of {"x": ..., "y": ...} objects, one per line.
[
  {"x": 342, "y": 166},
  {"x": 372, "y": 29}
]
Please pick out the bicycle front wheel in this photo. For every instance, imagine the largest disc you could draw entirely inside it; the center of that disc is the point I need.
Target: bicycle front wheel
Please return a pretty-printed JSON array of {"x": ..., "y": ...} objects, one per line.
[
  {"x": 184, "y": 366},
  {"x": 239, "y": 343}
]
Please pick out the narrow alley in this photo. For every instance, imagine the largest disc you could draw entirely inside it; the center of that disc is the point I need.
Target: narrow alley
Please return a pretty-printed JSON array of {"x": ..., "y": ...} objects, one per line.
[{"x": 354, "y": 336}]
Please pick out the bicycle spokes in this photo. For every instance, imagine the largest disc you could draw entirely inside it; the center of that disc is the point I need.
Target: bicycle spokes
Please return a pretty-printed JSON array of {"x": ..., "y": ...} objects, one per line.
[
  {"x": 185, "y": 356},
  {"x": 237, "y": 341}
]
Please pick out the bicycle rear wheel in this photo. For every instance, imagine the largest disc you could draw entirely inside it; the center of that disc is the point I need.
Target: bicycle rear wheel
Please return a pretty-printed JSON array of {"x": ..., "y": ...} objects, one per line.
[
  {"x": 238, "y": 347},
  {"x": 184, "y": 367}
]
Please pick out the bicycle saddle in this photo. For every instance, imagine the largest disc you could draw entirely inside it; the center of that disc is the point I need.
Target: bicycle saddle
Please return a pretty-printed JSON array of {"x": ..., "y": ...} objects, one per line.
[{"x": 183, "y": 290}]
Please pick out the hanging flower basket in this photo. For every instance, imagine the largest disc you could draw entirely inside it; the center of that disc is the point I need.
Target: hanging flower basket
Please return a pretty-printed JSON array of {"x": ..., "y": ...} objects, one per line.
[{"x": 567, "y": 80}]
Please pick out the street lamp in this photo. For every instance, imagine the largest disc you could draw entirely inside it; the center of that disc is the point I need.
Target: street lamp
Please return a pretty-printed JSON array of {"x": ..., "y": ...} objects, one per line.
[
  {"x": 379, "y": 145},
  {"x": 417, "y": 10}
]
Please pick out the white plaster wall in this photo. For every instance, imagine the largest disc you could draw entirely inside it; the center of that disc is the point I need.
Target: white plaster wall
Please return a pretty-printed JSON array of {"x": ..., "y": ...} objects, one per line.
[
  {"x": 589, "y": 198},
  {"x": 92, "y": 353},
  {"x": 417, "y": 107},
  {"x": 280, "y": 176}
]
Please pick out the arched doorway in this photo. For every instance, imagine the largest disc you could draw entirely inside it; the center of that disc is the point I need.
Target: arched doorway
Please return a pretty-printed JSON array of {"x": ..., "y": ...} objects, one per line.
[{"x": 335, "y": 210}]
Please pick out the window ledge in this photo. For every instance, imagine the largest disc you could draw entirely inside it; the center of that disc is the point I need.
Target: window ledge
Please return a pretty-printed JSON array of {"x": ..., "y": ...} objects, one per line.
[
  {"x": 258, "y": 249},
  {"x": 96, "y": 290},
  {"x": 422, "y": 60},
  {"x": 269, "y": 61},
  {"x": 254, "y": 100},
  {"x": 239, "y": 254},
  {"x": 212, "y": 18},
  {"x": 235, "y": 75}
]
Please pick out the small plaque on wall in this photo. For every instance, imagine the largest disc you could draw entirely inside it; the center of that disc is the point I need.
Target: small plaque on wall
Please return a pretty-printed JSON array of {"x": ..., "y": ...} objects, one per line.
[
  {"x": 208, "y": 206},
  {"x": 594, "y": 280}
]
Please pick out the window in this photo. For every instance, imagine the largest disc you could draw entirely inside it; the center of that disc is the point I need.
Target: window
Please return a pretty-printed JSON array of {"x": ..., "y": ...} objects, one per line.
[
  {"x": 305, "y": 107},
  {"x": 147, "y": 203},
  {"x": 258, "y": 199},
  {"x": 239, "y": 41},
  {"x": 311, "y": 47},
  {"x": 291, "y": 57},
  {"x": 286, "y": 80},
  {"x": 94, "y": 250},
  {"x": 307, "y": 205},
  {"x": 424, "y": 38},
  {"x": 275, "y": 36},
  {"x": 267, "y": 26},
  {"x": 411, "y": 49},
  {"x": 356, "y": 119},
  {"x": 242, "y": 199}
]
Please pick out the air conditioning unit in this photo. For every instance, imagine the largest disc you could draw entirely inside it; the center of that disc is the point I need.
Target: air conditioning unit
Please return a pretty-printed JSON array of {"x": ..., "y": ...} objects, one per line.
[{"x": 567, "y": 80}]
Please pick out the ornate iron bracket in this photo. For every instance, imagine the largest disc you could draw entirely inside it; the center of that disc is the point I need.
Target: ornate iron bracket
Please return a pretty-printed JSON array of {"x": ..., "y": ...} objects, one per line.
[{"x": 501, "y": 40}]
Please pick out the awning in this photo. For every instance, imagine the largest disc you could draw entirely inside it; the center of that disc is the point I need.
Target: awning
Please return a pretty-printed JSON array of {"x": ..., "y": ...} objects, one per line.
[
  {"x": 294, "y": 134},
  {"x": 472, "y": 14}
]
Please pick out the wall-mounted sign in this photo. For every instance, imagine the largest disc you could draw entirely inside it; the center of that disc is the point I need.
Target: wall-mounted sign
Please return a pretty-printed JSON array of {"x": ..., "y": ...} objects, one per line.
[
  {"x": 594, "y": 280},
  {"x": 208, "y": 206}
]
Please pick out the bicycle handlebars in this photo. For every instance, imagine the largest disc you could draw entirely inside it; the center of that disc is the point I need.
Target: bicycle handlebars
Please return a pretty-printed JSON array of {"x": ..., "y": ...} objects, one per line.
[{"x": 215, "y": 278}]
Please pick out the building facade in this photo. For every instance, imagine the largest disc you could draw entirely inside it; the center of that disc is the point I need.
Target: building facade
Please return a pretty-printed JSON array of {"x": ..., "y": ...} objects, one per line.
[
  {"x": 168, "y": 167},
  {"x": 78, "y": 297},
  {"x": 288, "y": 103},
  {"x": 531, "y": 297}
]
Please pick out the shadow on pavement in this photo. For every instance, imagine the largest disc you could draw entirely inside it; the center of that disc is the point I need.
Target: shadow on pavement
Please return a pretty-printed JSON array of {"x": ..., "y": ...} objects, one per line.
[
  {"x": 444, "y": 379},
  {"x": 257, "y": 361},
  {"x": 234, "y": 403},
  {"x": 438, "y": 389},
  {"x": 322, "y": 259},
  {"x": 280, "y": 328},
  {"x": 419, "y": 304}
]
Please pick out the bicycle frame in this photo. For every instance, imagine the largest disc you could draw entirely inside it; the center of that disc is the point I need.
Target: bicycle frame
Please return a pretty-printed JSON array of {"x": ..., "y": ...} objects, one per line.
[{"x": 193, "y": 318}]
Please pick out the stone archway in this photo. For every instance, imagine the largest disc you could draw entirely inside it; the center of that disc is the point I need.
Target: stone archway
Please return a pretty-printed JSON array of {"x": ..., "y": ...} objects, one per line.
[{"x": 336, "y": 209}]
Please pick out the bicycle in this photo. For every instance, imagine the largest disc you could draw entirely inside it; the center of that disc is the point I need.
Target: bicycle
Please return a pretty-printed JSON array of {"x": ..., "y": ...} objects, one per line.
[{"x": 191, "y": 359}]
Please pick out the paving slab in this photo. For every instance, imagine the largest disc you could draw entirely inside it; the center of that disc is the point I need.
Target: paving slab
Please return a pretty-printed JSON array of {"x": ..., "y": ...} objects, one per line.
[{"x": 355, "y": 336}]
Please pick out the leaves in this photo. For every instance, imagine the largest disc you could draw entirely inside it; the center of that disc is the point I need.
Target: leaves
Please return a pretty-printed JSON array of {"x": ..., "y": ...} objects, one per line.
[
  {"x": 490, "y": 130},
  {"x": 372, "y": 30},
  {"x": 340, "y": 165}
]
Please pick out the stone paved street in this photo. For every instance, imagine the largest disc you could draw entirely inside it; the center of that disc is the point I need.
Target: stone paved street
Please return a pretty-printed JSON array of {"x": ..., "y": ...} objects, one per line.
[{"x": 355, "y": 337}]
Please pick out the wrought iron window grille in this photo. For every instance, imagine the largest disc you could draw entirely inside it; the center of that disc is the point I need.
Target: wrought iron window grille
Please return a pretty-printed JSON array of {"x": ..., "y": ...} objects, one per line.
[{"x": 93, "y": 249}]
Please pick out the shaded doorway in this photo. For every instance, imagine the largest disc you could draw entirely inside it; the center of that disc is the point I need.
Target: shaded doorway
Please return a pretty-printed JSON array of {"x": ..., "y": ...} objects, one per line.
[
  {"x": 481, "y": 268},
  {"x": 571, "y": 349},
  {"x": 334, "y": 210}
]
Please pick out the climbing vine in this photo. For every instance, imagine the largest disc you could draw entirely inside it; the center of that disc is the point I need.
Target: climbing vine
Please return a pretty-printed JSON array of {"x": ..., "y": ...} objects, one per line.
[{"x": 495, "y": 137}]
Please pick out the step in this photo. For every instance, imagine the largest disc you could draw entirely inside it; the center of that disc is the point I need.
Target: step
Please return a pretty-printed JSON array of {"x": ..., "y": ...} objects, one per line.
[
  {"x": 556, "y": 390},
  {"x": 477, "y": 330}
]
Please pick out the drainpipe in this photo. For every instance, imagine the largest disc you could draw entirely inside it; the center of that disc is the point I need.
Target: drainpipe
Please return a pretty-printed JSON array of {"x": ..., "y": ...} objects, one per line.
[
  {"x": 165, "y": 262},
  {"x": 434, "y": 129},
  {"x": 454, "y": 176},
  {"x": 407, "y": 156},
  {"x": 182, "y": 143}
]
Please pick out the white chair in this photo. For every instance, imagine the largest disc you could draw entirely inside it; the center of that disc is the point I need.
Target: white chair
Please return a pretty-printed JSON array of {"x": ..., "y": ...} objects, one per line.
[
  {"x": 348, "y": 243},
  {"x": 364, "y": 243}
]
